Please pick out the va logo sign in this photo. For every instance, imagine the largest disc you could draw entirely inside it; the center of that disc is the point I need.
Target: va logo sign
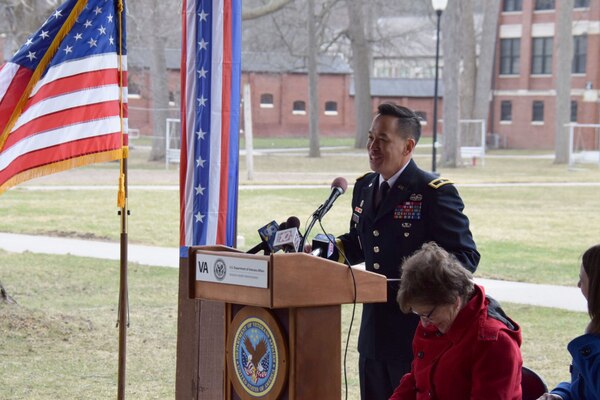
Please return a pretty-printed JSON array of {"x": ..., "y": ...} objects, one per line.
[
  {"x": 203, "y": 267},
  {"x": 220, "y": 269}
]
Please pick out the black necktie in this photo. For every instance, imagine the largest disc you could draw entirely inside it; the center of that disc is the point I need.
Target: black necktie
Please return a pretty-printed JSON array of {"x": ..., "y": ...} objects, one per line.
[{"x": 384, "y": 188}]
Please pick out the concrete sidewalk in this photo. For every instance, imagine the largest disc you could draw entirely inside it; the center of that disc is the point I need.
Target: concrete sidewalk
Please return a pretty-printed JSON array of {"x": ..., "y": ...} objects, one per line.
[{"x": 563, "y": 297}]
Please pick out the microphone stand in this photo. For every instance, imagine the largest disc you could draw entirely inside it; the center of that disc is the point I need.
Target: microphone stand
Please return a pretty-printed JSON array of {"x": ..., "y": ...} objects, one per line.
[{"x": 315, "y": 217}]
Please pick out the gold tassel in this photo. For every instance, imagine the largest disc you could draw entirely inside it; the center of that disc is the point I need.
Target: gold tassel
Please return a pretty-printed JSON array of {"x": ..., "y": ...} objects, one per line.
[{"x": 121, "y": 195}]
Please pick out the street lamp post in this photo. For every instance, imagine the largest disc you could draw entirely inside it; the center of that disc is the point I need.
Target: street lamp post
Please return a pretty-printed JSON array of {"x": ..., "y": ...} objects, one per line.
[{"x": 438, "y": 6}]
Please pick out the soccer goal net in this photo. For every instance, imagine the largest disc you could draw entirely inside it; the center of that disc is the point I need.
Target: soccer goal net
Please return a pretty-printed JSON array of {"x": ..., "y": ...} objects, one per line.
[{"x": 584, "y": 143}]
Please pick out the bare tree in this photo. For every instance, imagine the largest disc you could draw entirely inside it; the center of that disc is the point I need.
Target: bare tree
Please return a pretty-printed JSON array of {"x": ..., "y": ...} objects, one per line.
[
  {"x": 265, "y": 9},
  {"x": 21, "y": 18},
  {"x": 564, "y": 57},
  {"x": 485, "y": 65},
  {"x": 361, "y": 60},
  {"x": 451, "y": 43},
  {"x": 468, "y": 60},
  {"x": 313, "y": 81},
  {"x": 153, "y": 26},
  {"x": 159, "y": 87},
  {"x": 476, "y": 75}
]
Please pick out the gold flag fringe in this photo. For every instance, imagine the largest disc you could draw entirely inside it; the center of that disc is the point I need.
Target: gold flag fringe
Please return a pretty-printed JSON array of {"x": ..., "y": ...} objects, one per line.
[{"x": 64, "y": 165}]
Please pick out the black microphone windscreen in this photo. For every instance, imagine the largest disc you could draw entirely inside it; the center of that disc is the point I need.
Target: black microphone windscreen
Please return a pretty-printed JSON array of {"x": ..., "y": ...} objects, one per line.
[
  {"x": 341, "y": 183},
  {"x": 293, "y": 222}
]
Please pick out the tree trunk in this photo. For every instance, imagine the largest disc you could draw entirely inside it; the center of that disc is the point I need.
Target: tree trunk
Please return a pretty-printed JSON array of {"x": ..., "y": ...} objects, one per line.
[
  {"x": 485, "y": 67},
  {"x": 564, "y": 56},
  {"x": 468, "y": 59},
  {"x": 313, "y": 81},
  {"x": 451, "y": 110},
  {"x": 5, "y": 297},
  {"x": 159, "y": 90},
  {"x": 261, "y": 11},
  {"x": 362, "y": 77}
]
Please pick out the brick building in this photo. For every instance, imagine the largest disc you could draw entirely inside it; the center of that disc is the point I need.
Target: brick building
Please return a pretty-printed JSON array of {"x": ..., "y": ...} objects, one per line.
[
  {"x": 524, "y": 94},
  {"x": 279, "y": 86}
]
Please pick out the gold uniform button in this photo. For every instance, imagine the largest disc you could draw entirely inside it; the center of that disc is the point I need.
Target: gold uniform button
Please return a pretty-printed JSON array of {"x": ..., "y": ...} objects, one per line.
[
  {"x": 376, "y": 265},
  {"x": 376, "y": 249},
  {"x": 375, "y": 233}
]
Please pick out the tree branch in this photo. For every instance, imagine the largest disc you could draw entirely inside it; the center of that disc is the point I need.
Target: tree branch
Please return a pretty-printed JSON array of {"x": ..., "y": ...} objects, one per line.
[{"x": 269, "y": 8}]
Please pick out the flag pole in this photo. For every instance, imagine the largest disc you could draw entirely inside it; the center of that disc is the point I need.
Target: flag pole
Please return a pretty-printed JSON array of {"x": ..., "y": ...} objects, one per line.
[{"x": 123, "y": 321}]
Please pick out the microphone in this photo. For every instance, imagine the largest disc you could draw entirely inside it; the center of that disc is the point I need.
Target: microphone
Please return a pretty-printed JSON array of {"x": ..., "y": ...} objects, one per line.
[
  {"x": 267, "y": 236},
  {"x": 324, "y": 246},
  {"x": 289, "y": 238},
  {"x": 338, "y": 188}
]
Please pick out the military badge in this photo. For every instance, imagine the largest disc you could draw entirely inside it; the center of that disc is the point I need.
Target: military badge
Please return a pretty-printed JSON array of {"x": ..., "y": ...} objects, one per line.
[{"x": 416, "y": 197}]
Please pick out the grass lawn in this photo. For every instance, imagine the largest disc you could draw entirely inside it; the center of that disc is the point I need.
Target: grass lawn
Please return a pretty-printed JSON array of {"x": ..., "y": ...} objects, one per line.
[
  {"x": 61, "y": 341},
  {"x": 529, "y": 234}
]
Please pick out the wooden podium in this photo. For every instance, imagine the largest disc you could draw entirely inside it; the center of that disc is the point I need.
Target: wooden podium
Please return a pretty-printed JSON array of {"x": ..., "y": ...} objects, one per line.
[{"x": 282, "y": 319}]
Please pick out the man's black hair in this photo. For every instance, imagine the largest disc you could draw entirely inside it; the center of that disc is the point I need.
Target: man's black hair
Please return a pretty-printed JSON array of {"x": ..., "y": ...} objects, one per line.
[{"x": 409, "y": 123}]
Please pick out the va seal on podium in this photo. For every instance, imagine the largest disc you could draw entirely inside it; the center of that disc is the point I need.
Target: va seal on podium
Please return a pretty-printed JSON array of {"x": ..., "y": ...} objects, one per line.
[{"x": 257, "y": 358}]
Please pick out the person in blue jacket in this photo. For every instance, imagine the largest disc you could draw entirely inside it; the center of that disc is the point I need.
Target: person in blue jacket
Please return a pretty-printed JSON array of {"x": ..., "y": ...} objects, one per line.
[{"x": 585, "y": 349}]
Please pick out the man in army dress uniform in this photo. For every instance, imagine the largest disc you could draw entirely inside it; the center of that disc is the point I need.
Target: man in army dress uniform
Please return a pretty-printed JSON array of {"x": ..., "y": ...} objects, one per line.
[{"x": 388, "y": 225}]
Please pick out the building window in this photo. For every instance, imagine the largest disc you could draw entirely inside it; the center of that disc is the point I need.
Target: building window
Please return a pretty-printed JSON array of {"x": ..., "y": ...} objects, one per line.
[
  {"x": 544, "y": 4},
  {"x": 133, "y": 90},
  {"x": 506, "y": 110},
  {"x": 266, "y": 100},
  {"x": 510, "y": 56},
  {"x": 331, "y": 108},
  {"x": 512, "y": 5},
  {"x": 541, "y": 56},
  {"x": 422, "y": 117},
  {"x": 573, "y": 111},
  {"x": 299, "y": 107},
  {"x": 537, "y": 111},
  {"x": 582, "y": 4},
  {"x": 579, "y": 54}
]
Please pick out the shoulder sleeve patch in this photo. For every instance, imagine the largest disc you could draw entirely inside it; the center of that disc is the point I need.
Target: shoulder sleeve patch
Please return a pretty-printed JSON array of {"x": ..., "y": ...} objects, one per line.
[
  {"x": 362, "y": 176},
  {"x": 439, "y": 182}
]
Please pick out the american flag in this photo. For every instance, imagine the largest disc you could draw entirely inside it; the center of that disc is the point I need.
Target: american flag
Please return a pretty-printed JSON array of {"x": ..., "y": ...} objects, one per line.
[
  {"x": 70, "y": 113},
  {"x": 210, "y": 98}
]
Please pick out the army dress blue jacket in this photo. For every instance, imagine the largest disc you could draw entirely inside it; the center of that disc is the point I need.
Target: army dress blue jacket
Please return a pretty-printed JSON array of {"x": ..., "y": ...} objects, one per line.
[{"x": 419, "y": 208}]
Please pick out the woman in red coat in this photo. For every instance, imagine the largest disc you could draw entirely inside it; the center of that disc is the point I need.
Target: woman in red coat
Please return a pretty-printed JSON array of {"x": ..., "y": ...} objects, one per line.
[{"x": 465, "y": 346}]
